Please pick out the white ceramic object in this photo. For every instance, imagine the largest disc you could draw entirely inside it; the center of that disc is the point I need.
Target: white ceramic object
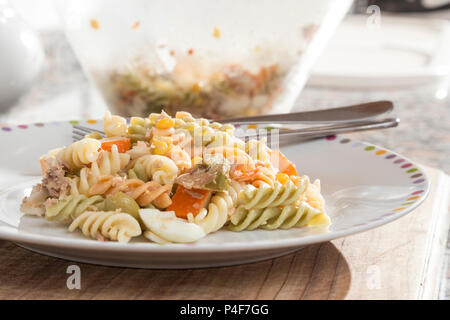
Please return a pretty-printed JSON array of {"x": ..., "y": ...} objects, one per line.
[
  {"x": 394, "y": 51},
  {"x": 365, "y": 186},
  {"x": 22, "y": 56}
]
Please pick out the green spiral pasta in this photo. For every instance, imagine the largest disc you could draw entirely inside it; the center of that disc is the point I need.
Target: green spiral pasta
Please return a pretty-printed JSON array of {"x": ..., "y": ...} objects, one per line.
[
  {"x": 72, "y": 207},
  {"x": 138, "y": 172},
  {"x": 276, "y": 218},
  {"x": 137, "y": 130},
  {"x": 265, "y": 196}
]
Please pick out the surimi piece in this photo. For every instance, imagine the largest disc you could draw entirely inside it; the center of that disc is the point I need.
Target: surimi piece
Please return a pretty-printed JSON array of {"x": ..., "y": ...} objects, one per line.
[
  {"x": 187, "y": 201},
  {"x": 284, "y": 165}
]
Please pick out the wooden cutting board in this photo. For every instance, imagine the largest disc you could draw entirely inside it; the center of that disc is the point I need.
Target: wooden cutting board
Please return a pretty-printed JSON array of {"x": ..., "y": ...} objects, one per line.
[{"x": 401, "y": 260}]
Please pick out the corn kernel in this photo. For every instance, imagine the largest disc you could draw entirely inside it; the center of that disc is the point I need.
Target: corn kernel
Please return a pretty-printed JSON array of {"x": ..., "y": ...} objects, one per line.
[
  {"x": 216, "y": 33},
  {"x": 182, "y": 114},
  {"x": 282, "y": 178},
  {"x": 165, "y": 123},
  {"x": 203, "y": 122},
  {"x": 161, "y": 145},
  {"x": 137, "y": 120},
  {"x": 319, "y": 219},
  {"x": 196, "y": 87},
  {"x": 295, "y": 180},
  {"x": 94, "y": 24},
  {"x": 178, "y": 123},
  {"x": 153, "y": 117},
  {"x": 196, "y": 161}
]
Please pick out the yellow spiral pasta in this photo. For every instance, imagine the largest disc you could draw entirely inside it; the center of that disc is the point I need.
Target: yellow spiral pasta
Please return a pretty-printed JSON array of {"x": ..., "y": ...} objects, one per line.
[
  {"x": 266, "y": 196},
  {"x": 258, "y": 150},
  {"x": 140, "y": 149},
  {"x": 80, "y": 153},
  {"x": 108, "y": 163},
  {"x": 219, "y": 210},
  {"x": 159, "y": 168},
  {"x": 223, "y": 139},
  {"x": 114, "y": 126},
  {"x": 109, "y": 225},
  {"x": 234, "y": 189},
  {"x": 277, "y": 218}
]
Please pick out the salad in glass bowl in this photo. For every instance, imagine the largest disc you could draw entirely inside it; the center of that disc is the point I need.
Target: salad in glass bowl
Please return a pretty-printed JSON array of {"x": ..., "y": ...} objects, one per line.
[{"x": 215, "y": 59}]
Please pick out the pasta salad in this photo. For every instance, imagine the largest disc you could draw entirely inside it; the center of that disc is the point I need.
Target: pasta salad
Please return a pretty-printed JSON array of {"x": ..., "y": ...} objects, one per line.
[{"x": 172, "y": 180}]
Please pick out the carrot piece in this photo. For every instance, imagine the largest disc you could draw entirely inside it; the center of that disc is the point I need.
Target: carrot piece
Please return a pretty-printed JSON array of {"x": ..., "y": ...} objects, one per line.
[
  {"x": 43, "y": 165},
  {"x": 123, "y": 144},
  {"x": 284, "y": 165},
  {"x": 186, "y": 201}
]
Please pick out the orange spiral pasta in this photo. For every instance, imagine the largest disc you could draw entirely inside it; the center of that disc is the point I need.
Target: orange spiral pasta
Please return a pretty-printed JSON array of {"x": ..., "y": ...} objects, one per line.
[
  {"x": 151, "y": 192},
  {"x": 144, "y": 193},
  {"x": 263, "y": 173}
]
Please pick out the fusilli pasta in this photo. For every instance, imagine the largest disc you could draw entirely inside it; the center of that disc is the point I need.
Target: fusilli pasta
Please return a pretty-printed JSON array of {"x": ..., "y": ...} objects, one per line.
[
  {"x": 138, "y": 130},
  {"x": 144, "y": 193},
  {"x": 265, "y": 196},
  {"x": 177, "y": 178},
  {"x": 72, "y": 206},
  {"x": 110, "y": 225},
  {"x": 159, "y": 168},
  {"x": 258, "y": 150},
  {"x": 80, "y": 153},
  {"x": 114, "y": 126},
  {"x": 108, "y": 163},
  {"x": 276, "y": 218},
  {"x": 219, "y": 209}
]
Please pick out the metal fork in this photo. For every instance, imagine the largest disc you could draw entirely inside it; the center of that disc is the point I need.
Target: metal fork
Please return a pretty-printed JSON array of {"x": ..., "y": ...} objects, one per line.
[
  {"x": 338, "y": 120},
  {"x": 79, "y": 132}
]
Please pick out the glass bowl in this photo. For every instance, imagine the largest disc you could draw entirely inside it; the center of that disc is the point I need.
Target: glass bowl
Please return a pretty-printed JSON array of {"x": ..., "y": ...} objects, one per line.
[{"x": 214, "y": 59}]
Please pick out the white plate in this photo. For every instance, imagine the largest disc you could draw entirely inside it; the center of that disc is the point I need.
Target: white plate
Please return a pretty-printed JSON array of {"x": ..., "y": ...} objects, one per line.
[
  {"x": 400, "y": 51},
  {"x": 365, "y": 186}
]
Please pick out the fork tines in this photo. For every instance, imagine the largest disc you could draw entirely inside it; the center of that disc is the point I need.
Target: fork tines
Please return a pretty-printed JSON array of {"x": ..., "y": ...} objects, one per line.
[{"x": 79, "y": 132}]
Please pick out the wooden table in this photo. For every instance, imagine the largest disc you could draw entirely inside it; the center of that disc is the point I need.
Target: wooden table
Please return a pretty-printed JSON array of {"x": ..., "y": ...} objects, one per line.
[{"x": 400, "y": 260}]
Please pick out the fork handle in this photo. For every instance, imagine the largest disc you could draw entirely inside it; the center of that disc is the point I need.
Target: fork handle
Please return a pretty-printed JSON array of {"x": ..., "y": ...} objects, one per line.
[
  {"x": 357, "y": 112},
  {"x": 323, "y": 131}
]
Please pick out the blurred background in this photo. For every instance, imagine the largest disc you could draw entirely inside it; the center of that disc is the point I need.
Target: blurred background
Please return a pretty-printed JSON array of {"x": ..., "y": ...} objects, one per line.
[{"x": 71, "y": 61}]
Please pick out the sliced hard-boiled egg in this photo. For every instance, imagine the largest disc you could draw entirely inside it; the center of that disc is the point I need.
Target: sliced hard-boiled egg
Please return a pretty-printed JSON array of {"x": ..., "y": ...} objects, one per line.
[{"x": 166, "y": 226}]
